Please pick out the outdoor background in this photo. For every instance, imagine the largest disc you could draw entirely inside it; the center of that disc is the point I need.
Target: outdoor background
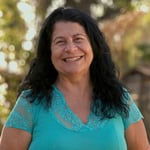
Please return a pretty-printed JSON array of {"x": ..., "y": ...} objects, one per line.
[{"x": 126, "y": 26}]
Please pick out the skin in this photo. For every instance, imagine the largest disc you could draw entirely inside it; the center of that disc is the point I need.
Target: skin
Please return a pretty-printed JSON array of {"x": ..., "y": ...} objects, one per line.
[
  {"x": 71, "y": 51},
  {"x": 72, "y": 55},
  {"x": 14, "y": 139},
  {"x": 136, "y": 137}
]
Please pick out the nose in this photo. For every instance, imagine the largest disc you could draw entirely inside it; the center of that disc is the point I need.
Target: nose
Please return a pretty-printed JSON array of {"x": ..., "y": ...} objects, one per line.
[{"x": 70, "y": 46}]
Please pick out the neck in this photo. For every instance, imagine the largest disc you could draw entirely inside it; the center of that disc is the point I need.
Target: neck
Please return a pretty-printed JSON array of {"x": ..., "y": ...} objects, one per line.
[{"x": 77, "y": 87}]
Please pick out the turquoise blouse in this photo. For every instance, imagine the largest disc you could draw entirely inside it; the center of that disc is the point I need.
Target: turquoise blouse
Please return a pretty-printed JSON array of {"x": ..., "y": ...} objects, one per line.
[{"x": 59, "y": 128}]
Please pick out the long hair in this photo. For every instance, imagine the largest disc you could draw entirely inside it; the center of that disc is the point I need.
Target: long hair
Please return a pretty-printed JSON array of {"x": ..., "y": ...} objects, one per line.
[{"x": 108, "y": 91}]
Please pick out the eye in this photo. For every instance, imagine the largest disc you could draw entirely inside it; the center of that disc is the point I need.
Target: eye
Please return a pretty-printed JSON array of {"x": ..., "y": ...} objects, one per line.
[
  {"x": 59, "y": 42},
  {"x": 79, "y": 39}
]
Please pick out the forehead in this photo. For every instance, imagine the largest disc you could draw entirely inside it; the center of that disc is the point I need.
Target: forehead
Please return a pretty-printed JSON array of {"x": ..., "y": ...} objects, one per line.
[{"x": 67, "y": 28}]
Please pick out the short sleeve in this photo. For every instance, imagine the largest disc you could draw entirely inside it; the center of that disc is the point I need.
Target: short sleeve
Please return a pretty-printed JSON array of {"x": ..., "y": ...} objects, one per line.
[
  {"x": 134, "y": 113},
  {"x": 21, "y": 116}
]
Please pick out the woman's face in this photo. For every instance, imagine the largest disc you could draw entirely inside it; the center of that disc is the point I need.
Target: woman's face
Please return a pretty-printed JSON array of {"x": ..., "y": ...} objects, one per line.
[{"x": 71, "y": 51}]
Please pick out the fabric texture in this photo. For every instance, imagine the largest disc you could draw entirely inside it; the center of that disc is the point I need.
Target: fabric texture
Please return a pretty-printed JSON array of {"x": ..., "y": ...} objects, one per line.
[{"x": 59, "y": 128}]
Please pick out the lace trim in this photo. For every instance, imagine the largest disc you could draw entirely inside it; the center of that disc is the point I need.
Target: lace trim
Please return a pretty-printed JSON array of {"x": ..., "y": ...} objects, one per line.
[
  {"x": 21, "y": 117},
  {"x": 69, "y": 119},
  {"x": 134, "y": 114}
]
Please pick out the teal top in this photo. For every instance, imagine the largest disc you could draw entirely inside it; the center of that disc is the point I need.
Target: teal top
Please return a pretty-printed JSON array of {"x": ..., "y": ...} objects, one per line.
[{"x": 59, "y": 128}]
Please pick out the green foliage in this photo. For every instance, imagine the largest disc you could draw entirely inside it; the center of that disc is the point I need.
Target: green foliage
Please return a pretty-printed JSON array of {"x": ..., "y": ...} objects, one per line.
[
  {"x": 132, "y": 47},
  {"x": 128, "y": 36},
  {"x": 145, "y": 50},
  {"x": 123, "y": 4},
  {"x": 144, "y": 43},
  {"x": 12, "y": 29}
]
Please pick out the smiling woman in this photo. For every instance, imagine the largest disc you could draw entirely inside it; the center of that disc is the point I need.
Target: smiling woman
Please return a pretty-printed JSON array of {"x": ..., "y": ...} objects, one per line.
[
  {"x": 71, "y": 52},
  {"x": 71, "y": 97}
]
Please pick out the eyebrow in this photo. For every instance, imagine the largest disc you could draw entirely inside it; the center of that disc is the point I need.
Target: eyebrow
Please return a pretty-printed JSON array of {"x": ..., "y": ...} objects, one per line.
[
  {"x": 56, "y": 38},
  {"x": 62, "y": 37}
]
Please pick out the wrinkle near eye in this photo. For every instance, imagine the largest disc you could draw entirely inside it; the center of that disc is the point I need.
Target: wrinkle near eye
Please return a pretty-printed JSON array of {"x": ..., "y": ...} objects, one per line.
[
  {"x": 59, "y": 42},
  {"x": 78, "y": 39}
]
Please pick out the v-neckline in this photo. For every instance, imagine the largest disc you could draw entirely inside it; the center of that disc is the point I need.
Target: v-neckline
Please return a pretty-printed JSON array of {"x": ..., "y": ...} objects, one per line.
[
  {"x": 70, "y": 110},
  {"x": 62, "y": 113}
]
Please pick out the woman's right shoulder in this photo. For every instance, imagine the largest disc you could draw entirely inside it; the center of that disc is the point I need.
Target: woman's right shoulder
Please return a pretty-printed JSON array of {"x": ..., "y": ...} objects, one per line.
[
  {"x": 29, "y": 100},
  {"x": 26, "y": 100},
  {"x": 24, "y": 113},
  {"x": 25, "y": 93},
  {"x": 24, "y": 97}
]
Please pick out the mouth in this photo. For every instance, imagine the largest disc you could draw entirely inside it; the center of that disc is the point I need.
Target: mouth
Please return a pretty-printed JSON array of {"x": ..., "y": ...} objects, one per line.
[{"x": 72, "y": 59}]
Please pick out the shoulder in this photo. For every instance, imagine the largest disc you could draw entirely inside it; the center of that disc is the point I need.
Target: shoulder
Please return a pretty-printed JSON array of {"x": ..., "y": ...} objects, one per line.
[
  {"x": 26, "y": 97},
  {"x": 134, "y": 114},
  {"x": 136, "y": 136},
  {"x": 24, "y": 113},
  {"x": 126, "y": 96}
]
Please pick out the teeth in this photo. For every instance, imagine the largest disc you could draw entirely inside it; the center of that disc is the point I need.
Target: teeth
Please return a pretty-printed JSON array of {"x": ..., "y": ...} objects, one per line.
[{"x": 72, "y": 59}]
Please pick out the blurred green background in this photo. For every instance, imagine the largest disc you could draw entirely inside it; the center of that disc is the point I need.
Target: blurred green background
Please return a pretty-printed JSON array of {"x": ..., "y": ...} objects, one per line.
[{"x": 126, "y": 26}]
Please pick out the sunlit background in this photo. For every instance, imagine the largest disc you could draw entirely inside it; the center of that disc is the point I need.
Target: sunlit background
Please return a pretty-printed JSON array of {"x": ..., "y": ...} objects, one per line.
[{"x": 125, "y": 24}]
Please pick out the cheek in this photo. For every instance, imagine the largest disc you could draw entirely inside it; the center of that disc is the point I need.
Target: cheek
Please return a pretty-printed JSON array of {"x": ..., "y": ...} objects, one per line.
[
  {"x": 54, "y": 53},
  {"x": 53, "y": 57},
  {"x": 92, "y": 57},
  {"x": 90, "y": 51}
]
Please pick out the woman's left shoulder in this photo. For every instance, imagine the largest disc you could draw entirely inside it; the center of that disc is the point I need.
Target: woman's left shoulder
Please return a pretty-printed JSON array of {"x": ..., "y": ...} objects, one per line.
[{"x": 134, "y": 114}]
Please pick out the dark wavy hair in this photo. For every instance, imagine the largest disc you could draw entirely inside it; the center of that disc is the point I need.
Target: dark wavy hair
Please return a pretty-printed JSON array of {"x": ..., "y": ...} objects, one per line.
[{"x": 107, "y": 89}]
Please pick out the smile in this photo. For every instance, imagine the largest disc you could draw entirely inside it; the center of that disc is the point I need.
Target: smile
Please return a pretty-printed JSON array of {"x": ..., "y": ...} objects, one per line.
[{"x": 71, "y": 59}]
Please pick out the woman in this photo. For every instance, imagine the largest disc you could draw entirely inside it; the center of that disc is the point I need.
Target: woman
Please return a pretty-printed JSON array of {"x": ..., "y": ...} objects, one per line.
[{"x": 71, "y": 98}]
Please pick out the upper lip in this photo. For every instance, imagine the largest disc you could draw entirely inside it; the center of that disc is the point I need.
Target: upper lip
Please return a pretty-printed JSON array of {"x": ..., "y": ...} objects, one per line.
[{"x": 72, "y": 57}]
